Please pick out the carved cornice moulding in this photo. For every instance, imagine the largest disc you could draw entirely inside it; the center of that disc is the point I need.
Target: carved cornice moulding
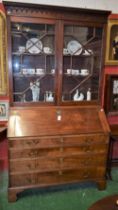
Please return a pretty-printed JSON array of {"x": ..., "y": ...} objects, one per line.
[{"x": 43, "y": 11}]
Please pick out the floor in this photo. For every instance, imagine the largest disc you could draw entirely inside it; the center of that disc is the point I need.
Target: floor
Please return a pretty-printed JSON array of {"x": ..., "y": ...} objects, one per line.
[{"x": 70, "y": 197}]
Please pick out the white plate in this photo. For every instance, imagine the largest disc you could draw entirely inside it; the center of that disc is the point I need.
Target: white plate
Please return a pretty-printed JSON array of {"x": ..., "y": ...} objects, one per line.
[
  {"x": 34, "y": 46},
  {"x": 74, "y": 47}
]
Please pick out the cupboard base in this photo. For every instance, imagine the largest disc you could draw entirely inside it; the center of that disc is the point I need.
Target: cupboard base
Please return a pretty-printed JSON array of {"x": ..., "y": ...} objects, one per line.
[{"x": 14, "y": 191}]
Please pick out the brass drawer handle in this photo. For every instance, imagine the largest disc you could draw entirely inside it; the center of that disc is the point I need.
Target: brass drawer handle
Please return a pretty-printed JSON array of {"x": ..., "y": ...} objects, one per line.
[
  {"x": 33, "y": 142},
  {"x": 36, "y": 141},
  {"x": 33, "y": 153},
  {"x": 86, "y": 175},
  {"x": 88, "y": 141},
  {"x": 28, "y": 142},
  {"x": 87, "y": 149},
  {"x": 30, "y": 180}
]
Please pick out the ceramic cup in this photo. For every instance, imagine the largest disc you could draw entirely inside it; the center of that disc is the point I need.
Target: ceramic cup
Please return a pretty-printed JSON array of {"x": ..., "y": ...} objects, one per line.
[
  {"x": 39, "y": 71},
  {"x": 77, "y": 72},
  {"x": 52, "y": 71},
  {"x": 25, "y": 71},
  {"x": 84, "y": 71},
  {"x": 69, "y": 71},
  {"x": 21, "y": 49},
  {"x": 65, "y": 51},
  {"x": 47, "y": 50},
  {"x": 31, "y": 71}
]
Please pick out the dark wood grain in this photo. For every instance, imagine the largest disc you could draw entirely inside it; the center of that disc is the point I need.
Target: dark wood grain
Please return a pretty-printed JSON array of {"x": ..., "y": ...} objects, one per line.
[
  {"x": 108, "y": 203},
  {"x": 44, "y": 151},
  {"x": 43, "y": 121}
]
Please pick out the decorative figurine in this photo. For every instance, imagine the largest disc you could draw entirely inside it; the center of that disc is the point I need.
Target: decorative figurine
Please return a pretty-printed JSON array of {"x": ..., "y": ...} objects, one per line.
[
  {"x": 49, "y": 96},
  {"x": 35, "y": 91},
  {"x": 23, "y": 98},
  {"x": 78, "y": 96},
  {"x": 89, "y": 94},
  {"x": 75, "y": 97}
]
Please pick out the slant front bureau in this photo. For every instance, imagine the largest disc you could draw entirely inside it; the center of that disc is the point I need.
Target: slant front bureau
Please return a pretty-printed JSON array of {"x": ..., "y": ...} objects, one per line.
[
  {"x": 57, "y": 131},
  {"x": 46, "y": 148}
]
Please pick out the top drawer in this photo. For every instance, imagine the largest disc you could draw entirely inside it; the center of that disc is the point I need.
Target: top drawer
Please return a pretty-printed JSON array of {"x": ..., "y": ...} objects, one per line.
[
  {"x": 30, "y": 142},
  {"x": 86, "y": 139},
  {"x": 46, "y": 142}
]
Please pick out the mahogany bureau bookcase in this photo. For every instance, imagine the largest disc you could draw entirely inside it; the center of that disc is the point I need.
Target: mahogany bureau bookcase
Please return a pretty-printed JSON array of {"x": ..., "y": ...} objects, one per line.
[{"x": 57, "y": 131}]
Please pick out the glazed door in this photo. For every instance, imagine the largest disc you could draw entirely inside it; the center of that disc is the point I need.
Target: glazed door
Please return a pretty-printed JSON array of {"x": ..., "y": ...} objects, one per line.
[
  {"x": 82, "y": 55},
  {"x": 33, "y": 61}
]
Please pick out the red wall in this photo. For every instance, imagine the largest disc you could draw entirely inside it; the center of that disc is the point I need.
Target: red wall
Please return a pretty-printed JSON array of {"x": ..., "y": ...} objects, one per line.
[{"x": 111, "y": 70}]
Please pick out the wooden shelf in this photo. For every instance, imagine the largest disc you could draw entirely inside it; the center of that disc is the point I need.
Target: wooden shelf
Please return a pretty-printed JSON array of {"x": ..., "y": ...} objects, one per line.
[{"x": 32, "y": 54}]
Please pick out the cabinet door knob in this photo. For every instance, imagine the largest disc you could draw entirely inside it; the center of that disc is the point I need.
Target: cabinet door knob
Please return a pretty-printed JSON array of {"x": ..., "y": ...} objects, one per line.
[{"x": 59, "y": 116}]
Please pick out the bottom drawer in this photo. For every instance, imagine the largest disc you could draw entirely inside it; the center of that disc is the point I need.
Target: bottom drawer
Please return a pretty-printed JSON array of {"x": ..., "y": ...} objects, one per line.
[
  {"x": 57, "y": 177},
  {"x": 69, "y": 176},
  {"x": 22, "y": 180}
]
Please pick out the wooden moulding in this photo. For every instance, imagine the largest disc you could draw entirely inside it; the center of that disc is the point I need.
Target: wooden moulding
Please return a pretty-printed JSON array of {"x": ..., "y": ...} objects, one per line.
[
  {"x": 111, "y": 43},
  {"x": 3, "y": 59}
]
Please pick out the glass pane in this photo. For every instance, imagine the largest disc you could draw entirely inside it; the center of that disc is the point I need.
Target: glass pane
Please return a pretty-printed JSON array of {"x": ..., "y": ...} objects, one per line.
[
  {"x": 81, "y": 63},
  {"x": 33, "y": 57}
]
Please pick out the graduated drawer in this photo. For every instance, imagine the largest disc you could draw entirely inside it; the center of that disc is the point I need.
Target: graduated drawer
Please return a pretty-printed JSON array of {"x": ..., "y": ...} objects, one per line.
[
  {"x": 86, "y": 139},
  {"x": 22, "y": 179},
  {"x": 45, "y": 142},
  {"x": 22, "y": 165},
  {"x": 35, "y": 142},
  {"x": 72, "y": 175},
  {"x": 82, "y": 161},
  {"x": 70, "y": 162},
  {"x": 57, "y": 152},
  {"x": 56, "y": 177}
]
